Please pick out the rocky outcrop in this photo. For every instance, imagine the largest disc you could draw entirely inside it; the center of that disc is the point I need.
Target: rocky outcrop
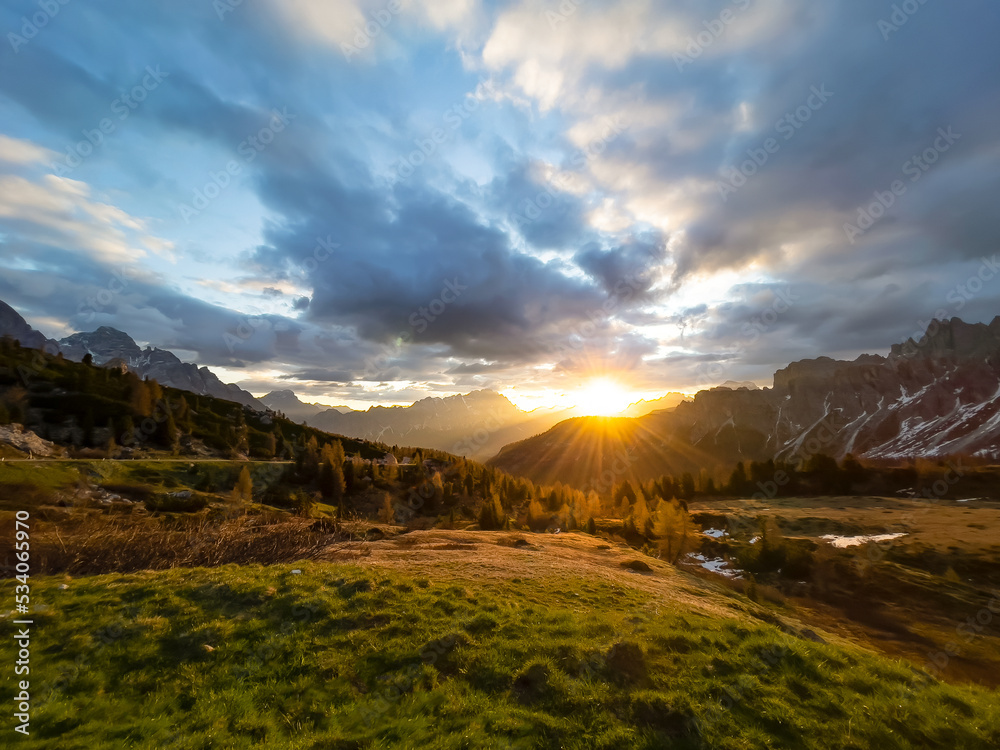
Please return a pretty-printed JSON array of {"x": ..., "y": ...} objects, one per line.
[
  {"x": 27, "y": 441},
  {"x": 110, "y": 347}
]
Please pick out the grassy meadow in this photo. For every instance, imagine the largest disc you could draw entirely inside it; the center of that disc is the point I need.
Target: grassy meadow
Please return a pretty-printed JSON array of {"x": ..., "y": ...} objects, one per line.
[{"x": 323, "y": 655}]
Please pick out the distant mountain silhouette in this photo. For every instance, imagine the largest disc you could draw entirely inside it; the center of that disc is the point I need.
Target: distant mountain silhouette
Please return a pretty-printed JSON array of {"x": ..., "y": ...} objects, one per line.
[
  {"x": 933, "y": 398},
  {"x": 292, "y": 407},
  {"x": 475, "y": 425},
  {"x": 642, "y": 408}
]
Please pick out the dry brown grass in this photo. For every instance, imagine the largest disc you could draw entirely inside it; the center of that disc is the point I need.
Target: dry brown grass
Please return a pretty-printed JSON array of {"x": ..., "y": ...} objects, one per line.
[{"x": 103, "y": 543}]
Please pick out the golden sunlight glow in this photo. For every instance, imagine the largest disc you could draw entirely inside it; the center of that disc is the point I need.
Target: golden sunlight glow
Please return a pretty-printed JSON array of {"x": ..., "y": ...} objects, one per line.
[{"x": 602, "y": 397}]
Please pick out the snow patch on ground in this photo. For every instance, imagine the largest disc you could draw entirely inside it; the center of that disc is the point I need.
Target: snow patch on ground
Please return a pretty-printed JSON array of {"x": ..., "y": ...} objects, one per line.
[
  {"x": 715, "y": 565},
  {"x": 715, "y": 533},
  {"x": 854, "y": 541}
]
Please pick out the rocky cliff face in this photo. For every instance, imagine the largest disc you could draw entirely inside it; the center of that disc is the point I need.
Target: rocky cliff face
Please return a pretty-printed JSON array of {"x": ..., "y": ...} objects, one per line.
[
  {"x": 935, "y": 397},
  {"x": 103, "y": 344}
]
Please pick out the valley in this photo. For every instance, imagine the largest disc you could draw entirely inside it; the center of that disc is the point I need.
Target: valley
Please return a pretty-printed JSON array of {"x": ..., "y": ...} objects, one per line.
[{"x": 638, "y": 591}]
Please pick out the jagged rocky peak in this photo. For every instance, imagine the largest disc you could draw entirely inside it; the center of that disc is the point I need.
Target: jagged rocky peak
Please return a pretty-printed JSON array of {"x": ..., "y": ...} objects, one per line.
[
  {"x": 286, "y": 395},
  {"x": 485, "y": 396},
  {"x": 736, "y": 385},
  {"x": 104, "y": 344},
  {"x": 953, "y": 338},
  {"x": 820, "y": 369}
]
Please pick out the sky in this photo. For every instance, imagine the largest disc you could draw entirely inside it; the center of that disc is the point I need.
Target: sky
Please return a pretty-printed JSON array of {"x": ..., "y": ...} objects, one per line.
[{"x": 376, "y": 202}]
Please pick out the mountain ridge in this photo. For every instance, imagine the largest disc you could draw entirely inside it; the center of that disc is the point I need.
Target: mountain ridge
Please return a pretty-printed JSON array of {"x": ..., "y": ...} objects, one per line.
[
  {"x": 111, "y": 347},
  {"x": 928, "y": 399},
  {"x": 475, "y": 424}
]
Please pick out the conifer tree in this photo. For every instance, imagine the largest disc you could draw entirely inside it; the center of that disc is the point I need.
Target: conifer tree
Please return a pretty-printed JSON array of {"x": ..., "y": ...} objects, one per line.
[{"x": 243, "y": 491}]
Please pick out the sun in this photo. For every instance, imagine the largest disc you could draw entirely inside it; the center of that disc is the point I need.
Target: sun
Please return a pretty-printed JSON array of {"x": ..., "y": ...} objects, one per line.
[{"x": 602, "y": 397}]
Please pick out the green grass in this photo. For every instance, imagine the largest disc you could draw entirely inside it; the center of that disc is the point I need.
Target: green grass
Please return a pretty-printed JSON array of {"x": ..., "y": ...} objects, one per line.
[
  {"x": 46, "y": 474},
  {"x": 44, "y": 478},
  {"x": 345, "y": 657}
]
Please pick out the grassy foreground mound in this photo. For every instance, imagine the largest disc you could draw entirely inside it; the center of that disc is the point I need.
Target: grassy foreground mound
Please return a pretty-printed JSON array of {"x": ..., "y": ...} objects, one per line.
[{"x": 343, "y": 656}]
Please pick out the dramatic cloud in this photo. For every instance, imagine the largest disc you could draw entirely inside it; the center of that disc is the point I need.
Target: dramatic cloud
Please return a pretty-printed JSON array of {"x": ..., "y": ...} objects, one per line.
[{"x": 370, "y": 200}]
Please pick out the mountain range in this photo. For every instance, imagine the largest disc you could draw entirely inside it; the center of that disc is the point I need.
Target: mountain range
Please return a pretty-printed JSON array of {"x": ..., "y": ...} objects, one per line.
[
  {"x": 933, "y": 398},
  {"x": 110, "y": 347},
  {"x": 289, "y": 404},
  {"x": 929, "y": 399},
  {"x": 476, "y": 425}
]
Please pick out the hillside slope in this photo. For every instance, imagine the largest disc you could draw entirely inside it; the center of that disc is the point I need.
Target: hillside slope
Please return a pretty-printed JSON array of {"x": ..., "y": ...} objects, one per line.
[{"x": 331, "y": 655}]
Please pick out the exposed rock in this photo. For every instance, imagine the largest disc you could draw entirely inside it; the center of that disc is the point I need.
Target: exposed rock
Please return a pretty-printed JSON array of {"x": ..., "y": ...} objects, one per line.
[
  {"x": 27, "y": 441},
  {"x": 103, "y": 345}
]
